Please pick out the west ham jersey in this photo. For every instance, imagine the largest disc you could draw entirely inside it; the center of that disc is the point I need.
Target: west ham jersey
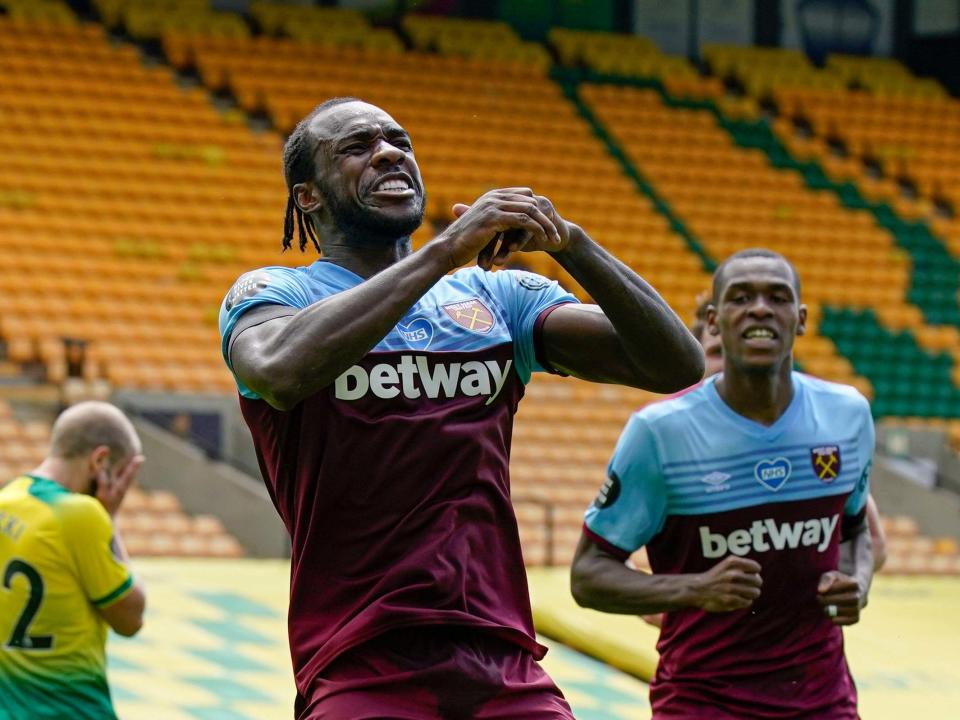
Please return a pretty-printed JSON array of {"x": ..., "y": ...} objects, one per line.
[
  {"x": 694, "y": 481},
  {"x": 393, "y": 481}
]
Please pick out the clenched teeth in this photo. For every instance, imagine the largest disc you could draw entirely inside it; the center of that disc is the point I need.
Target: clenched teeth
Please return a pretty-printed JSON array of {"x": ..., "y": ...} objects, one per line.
[
  {"x": 758, "y": 333},
  {"x": 393, "y": 185}
]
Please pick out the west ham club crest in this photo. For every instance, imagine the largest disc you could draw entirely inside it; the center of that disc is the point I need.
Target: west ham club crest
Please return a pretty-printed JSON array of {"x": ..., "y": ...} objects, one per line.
[
  {"x": 471, "y": 314},
  {"x": 826, "y": 462}
]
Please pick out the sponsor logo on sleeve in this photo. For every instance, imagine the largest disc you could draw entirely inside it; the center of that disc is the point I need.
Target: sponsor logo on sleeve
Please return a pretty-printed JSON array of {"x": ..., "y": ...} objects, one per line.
[
  {"x": 532, "y": 282},
  {"x": 115, "y": 549},
  {"x": 609, "y": 492},
  {"x": 864, "y": 477},
  {"x": 247, "y": 286},
  {"x": 826, "y": 462},
  {"x": 773, "y": 474},
  {"x": 471, "y": 314}
]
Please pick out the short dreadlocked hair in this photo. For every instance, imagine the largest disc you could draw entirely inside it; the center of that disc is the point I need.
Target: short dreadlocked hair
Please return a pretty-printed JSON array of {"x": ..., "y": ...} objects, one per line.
[{"x": 298, "y": 167}]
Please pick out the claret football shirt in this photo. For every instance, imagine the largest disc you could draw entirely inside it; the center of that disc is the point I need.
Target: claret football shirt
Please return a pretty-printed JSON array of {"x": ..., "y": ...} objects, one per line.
[
  {"x": 694, "y": 482},
  {"x": 393, "y": 480}
]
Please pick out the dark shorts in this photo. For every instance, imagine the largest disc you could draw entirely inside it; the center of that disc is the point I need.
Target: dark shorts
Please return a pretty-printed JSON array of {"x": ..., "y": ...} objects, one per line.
[{"x": 434, "y": 673}]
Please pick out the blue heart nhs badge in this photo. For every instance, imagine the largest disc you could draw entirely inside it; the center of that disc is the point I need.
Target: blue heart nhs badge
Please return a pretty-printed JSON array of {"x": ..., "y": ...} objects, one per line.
[
  {"x": 773, "y": 474},
  {"x": 418, "y": 333}
]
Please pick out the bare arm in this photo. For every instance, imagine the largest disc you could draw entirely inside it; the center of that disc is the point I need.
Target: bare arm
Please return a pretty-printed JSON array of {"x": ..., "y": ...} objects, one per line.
[
  {"x": 600, "y": 581},
  {"x": 878, "y": 538},
  {"x": 632, "y": 337},
  {"x": 842, "y": 595},
  {"x": 289, "y": 358},
  {"x": 125, "y": 616}
]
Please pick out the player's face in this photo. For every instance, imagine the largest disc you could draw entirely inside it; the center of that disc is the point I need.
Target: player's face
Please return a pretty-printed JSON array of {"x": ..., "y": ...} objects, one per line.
[
  {"x": 712, "y": 352},
  {"x": 366, "y": 172},
  {"x": 758, "y": 314}
]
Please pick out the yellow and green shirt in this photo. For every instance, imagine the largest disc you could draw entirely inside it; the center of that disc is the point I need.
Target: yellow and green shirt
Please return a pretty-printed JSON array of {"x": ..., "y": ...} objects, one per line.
[{"x": 58, "y": 564}]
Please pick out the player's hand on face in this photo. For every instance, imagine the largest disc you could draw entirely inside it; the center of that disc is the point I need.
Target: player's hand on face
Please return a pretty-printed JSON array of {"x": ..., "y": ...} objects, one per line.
[
  {"x": 501, "y": 222},
  {"x": 112, "y": 487},
  {"x": 732, "y": 584},
  {"x": 840, "y": 597}
]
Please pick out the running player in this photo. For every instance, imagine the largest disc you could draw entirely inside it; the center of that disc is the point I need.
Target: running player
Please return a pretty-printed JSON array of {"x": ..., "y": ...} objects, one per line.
[
  {"x": 380, "y": 393},
  {"x": 64, "y": 571},
  {"x": 742, "y": 491},
  {"x": 713, "y": 363}
]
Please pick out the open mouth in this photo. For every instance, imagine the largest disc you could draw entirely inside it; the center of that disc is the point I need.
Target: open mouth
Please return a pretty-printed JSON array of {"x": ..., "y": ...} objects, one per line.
[
  {"x": 394, "y": 186},
  {"x": 759, "y": 333}
]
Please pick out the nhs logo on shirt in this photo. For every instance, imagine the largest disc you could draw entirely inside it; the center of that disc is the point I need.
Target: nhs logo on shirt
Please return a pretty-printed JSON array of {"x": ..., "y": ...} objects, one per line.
[
  {"x": 773, "y": 474},
  {"x": 418, "y": 333}
]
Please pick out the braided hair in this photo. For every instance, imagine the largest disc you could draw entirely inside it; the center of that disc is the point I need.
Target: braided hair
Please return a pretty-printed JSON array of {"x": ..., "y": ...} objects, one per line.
[{"x": 298, "y": 167}]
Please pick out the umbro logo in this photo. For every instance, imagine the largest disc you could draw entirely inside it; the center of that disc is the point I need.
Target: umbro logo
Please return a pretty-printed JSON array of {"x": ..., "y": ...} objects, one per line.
[
  {"x": 716, "y": 481},
  {"x": 715, "y": 478}
]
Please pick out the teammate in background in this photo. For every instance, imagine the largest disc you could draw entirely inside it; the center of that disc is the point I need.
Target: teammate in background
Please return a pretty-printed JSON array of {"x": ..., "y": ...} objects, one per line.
[
  {"x": 713, "y": 357},
  {"x": 742, "y": 491},
  {"x": 713, "y": 363},
  {"x": 380, "y": 393},
  {"x": 712, "y": 347},
  {"x": 64, "y": 570}
]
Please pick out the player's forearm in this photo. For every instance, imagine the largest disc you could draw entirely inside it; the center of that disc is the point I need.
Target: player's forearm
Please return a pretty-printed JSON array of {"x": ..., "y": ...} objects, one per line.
[
  {"x": 317, "y": 344},
  {"x": 640, "y": 316},
  {"x": 860, "y": 549},
  {"x": 614, "y": 588}
]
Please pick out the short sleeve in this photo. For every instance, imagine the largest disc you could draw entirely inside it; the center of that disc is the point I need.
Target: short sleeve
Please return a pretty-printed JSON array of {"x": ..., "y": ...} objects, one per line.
[
  {"x": 525, "y": 296},
  {"x": 632, "y": 504},
  {"x": 266, "y": 286},
  {"x": 88, "y": 532},
  {"x": 857, "y": 499}
]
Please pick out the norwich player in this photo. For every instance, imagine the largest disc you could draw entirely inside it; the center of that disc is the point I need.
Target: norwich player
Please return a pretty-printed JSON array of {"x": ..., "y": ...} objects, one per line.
[{"x": 64, "y": 572}]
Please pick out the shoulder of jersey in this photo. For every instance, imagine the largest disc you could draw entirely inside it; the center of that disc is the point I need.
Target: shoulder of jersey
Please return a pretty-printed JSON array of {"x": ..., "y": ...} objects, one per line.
[
  {"x": 77, "y": 505},
  {"x": 253, "y": 282},
  {"x": 836, "y": 392},
  {"x": 682, "y": 402},
  {"x": 472, "y": 275}
]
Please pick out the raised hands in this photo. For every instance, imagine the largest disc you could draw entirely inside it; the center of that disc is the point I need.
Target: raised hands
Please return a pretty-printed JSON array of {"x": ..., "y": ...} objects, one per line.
[{"x": 501, "y": 222}]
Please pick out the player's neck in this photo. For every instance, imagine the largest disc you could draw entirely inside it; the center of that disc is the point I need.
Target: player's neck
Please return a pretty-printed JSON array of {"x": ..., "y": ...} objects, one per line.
[
  {"x": 366, "y": 260},
  {"x": 759, "y": 396},
  {"x": 57, "y": 469}
]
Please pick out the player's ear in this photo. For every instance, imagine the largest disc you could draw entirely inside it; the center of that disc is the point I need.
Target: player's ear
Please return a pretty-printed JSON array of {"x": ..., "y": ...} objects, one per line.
[
  {"x": 711, "y": 320},
  {"x": 802, "y": 325},
  {"x": 307, "y": 197},
  {"x": 99, "y": 459}
]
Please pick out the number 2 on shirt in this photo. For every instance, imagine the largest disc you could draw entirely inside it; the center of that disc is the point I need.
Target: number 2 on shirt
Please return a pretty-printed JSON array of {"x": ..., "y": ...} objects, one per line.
[{"x": 20, "y": 638}]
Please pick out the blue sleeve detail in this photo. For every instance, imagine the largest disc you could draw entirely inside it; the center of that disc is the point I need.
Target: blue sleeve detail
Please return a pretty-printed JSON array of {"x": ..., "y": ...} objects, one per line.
[
  {"x": 857, "y": 499},
  {"x": 524, "y": 295},
  {"x": 267, "y": 286},
  {"x": 632, "y": 505}
]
